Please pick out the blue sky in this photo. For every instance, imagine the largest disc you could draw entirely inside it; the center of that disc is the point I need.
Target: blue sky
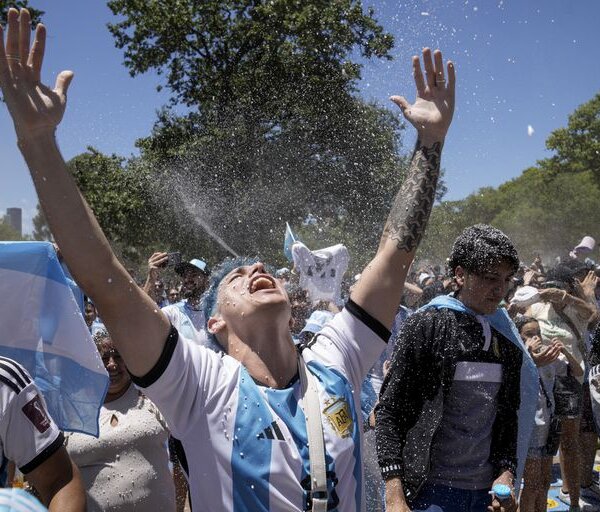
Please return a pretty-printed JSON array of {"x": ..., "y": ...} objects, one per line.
[{"x": 520, "y": 63}]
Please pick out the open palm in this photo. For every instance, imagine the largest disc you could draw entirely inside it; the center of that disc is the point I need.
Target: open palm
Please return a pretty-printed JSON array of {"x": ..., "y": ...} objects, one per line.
[
  {"x": 432, "y": 111},
  {"x": 34, "y": 107}
]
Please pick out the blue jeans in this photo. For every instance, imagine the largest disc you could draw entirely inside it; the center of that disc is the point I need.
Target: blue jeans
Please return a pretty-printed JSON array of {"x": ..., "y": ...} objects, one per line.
[{"x": 450, "y": 499}]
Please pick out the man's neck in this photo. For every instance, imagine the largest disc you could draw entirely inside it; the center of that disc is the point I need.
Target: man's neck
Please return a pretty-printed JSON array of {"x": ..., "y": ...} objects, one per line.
[
  {"x": 467, "y": 303},
  {"x": 271, "y": 360}
]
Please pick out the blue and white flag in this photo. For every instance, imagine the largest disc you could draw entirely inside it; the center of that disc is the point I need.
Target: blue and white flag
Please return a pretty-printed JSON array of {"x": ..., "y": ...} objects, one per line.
[
  {"x": 288, "y": 242},
  {"x": 42, "y": 328}
]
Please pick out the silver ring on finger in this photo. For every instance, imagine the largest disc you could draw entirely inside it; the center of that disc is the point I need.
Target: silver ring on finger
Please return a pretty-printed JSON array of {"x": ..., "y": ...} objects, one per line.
[
  {"x": 440, "y": 81},
  {"x": 15, "y": 58}
]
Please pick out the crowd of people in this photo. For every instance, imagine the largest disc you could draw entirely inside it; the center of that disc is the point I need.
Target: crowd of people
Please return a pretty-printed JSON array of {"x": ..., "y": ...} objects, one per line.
[{"x": 424, "y": 387}]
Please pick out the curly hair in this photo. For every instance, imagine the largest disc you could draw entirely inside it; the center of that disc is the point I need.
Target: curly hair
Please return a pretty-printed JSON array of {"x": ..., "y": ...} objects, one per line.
[{"x": 480, "y": 247}]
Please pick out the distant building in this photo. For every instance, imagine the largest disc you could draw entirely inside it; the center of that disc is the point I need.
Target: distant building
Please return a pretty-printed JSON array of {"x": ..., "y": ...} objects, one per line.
[{"x": 14, "y": 218}]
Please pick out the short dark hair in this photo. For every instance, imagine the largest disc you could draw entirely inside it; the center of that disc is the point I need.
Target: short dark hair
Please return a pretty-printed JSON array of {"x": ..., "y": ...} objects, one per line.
[
  {"x": 480, "y": 247},
  {"x": 522, "y": 320}
]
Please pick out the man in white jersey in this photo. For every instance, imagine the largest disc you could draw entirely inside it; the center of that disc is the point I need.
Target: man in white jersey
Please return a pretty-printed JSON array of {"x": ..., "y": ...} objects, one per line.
[
  {"x": 30, "y": 438},
  {"x": 238, "y": 413},
  {"x": 187, "y": 315}
]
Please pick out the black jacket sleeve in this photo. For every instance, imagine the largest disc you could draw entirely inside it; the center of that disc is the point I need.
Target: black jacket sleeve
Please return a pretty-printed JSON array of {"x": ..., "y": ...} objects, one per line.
[
  {"x": 505, "y": 431},
  {"x": 594, "y": 354},
  {"x": 414, "y": 376}
]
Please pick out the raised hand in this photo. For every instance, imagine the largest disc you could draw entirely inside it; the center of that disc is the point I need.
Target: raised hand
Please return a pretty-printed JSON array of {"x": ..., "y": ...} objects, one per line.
[
  {"x": 432, "y": 111},
  {"x": 554, "y": 295},
  {"x": 529, "y": 276},
  {"x": 534, "y": 344},
  {"x": 34, "y": 107},
  {"x": 157, "y": 262},
  {"x": 588, "y": 287}
]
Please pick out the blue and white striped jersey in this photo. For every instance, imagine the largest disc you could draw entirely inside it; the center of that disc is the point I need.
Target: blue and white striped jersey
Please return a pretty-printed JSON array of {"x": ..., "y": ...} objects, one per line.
[{"x": 244, "y": 444}]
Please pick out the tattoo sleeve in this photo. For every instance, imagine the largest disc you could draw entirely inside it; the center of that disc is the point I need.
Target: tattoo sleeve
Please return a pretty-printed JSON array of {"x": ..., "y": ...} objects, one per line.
[{"x": 412, "y": 205}]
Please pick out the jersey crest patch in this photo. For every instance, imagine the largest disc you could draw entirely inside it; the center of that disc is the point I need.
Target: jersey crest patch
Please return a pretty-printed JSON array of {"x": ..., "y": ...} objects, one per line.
[
  {"x": 36, "y": 413},
  {"x": 337, "y": 412}
]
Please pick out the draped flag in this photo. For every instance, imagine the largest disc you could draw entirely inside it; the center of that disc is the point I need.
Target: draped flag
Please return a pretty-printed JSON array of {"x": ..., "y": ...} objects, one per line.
[
  {"x": 288, "y": 242},
  {"x": 42, "y": 328}
]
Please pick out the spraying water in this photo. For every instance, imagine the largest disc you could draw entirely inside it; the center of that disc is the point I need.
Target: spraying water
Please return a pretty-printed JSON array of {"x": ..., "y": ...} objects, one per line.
[{"x": 198, "y": 215}]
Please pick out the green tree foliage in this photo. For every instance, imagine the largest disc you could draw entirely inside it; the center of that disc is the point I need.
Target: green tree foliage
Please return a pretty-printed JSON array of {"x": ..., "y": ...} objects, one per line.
[
  {"x": 275, "y": 130},
  {"x": 247, "y": 184},
  {"x": 251, "y": 51},
  {"x": 545, "y": 210},
  {"x": 126, "y": 201},
  {"x": 7, "y": 233},
  {"x": 542, "y": 213},
  {"x": 577, "y": 146},
  {"x": 41, "y": 230},
  {"x": 116, "y": 195}
]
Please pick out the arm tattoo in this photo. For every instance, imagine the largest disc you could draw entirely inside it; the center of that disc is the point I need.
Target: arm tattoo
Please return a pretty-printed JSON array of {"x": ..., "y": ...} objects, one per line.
[{"x": 412, "y": 206}]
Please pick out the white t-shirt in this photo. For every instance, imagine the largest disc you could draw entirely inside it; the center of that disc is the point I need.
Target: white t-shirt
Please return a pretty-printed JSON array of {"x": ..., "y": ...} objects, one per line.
[
  {"x": 127, "y": 466},
  {"x": 189, "y": 322},
  {"x": 321, "y": 271},
  {"x": 245, "y": 445},
  {"x": 28, "y": 435},
  {"x": 553, "y": 326}
]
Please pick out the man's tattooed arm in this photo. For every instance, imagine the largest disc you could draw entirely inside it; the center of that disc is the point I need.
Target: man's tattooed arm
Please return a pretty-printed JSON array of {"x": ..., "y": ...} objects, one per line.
[{"x": 412, "y": 205}]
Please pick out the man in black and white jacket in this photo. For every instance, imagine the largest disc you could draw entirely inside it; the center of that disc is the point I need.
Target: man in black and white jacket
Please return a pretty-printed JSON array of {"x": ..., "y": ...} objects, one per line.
[{"x": 447, "y": 419}]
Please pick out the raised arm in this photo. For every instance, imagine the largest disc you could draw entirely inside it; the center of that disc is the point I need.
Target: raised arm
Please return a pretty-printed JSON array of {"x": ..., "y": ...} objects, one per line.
[
  {"x": 380, "y": 287},
  {"x": 136, "y": 325}
]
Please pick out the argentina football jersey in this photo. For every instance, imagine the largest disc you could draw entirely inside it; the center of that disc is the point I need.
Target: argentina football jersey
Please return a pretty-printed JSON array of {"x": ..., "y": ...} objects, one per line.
[{"x": 245, "y": 445}]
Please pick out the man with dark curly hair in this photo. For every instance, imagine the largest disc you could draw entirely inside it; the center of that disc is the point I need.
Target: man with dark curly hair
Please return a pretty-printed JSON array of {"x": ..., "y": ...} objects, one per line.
[{"x": 451, "y": 406}]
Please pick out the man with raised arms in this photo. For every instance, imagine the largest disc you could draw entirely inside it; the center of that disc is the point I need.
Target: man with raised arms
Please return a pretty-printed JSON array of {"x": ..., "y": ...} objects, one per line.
[{"x": 239, "y": 414}]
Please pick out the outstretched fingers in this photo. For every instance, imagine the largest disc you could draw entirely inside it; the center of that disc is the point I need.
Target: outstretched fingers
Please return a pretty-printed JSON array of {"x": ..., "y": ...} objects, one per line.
[
  {"x": 418, "y": 74},
  {"x": 440, "y": 79},
  {"x": 36, "y": 55},
  {"x": 451, "y": 77},
  {"x": 429, "y": 68},
  {"x": 24, "y": 35},
  {"x": 4, "y": 72},
  {"x": 401, "y": 102},
  {"x": 63, "y": 80},
  {"x": 12, "y": 39}
]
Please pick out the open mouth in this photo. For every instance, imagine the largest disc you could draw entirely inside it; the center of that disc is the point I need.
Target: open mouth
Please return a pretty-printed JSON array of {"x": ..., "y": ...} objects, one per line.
[{"x": 261, "y": 282}]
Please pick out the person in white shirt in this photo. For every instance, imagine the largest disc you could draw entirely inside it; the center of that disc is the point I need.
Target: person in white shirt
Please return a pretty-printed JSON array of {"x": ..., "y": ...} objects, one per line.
[
  {"x": 127, "y": 466},
  {"x": 30, "y": 438},
  {"x": 187, "y": 315}
]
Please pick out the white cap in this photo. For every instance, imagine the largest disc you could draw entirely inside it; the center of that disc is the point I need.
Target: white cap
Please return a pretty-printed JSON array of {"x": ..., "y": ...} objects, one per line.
[
  {"x": 526, "y": 296},
  {"x": 423, "y": 276},
  {"x": 586, "y": 245}
]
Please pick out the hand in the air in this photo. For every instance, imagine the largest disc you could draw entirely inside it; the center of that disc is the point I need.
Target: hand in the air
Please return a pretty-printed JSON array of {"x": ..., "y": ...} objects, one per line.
[
  {"x": 554, "y": 295},
  {"x": 34, "y": 107},
  {"x": 588, "y": 287},
  {"x": 157, "y": 261},
  {"x": 432, "y": 111}
]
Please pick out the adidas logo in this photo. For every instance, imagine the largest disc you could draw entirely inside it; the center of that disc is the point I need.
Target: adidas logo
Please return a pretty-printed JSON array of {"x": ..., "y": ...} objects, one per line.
[{"x": 271, "y": 432}]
